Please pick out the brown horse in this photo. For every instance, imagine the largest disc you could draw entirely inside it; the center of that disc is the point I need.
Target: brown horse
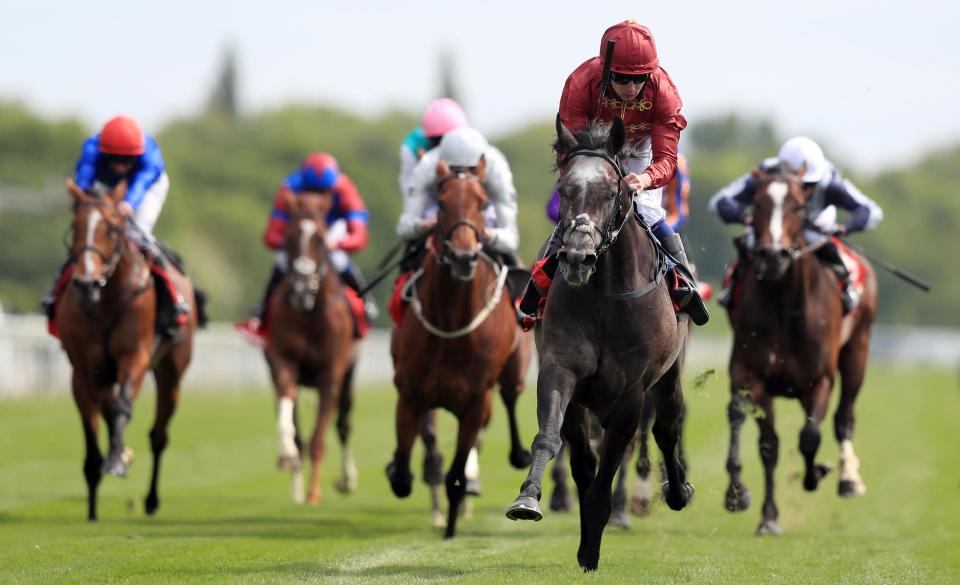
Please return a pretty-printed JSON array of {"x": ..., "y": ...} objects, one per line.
[
  {"x": 790, "y": 338},
  {"x": 106, "y": 324},
  {"x": 311, "y": 343},
  {"x": 454, "y": 342},
  {"x": 609, "y": 334}
]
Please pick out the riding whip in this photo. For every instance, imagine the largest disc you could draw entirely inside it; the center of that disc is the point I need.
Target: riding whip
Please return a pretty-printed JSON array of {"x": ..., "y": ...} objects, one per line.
[
  {"x": 605, "y": 77},
  {"x": 915, "y": 281}
]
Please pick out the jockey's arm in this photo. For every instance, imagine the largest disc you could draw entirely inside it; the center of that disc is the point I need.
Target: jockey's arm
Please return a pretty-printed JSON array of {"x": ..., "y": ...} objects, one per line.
[
  {"x": 86, "y": 172},
  {"x": 664, "y": 136},
  {"x": 418, "y": 194},
  {"x": 865, "y": 214},
  {"x": 498, "y": 181},
  {"x": 354, "y": 210},
  {"x": 732, "y": 203},
  {"x": 151, "y": 168},
  {"x": 274, "y": 234}
]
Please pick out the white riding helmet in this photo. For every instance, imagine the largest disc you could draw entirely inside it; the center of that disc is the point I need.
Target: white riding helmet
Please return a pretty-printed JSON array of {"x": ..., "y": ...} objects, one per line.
[
  {"x": 463, "y": 147},
  {"x": 801, "y": 150}
]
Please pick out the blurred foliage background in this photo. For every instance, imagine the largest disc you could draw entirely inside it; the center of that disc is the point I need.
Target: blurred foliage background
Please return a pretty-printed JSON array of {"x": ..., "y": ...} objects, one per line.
[{"x": 225, "y": 167}]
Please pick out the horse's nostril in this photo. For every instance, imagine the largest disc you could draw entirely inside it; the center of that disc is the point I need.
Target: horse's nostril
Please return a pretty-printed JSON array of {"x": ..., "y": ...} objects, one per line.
[{"x": 590, "y": 260}]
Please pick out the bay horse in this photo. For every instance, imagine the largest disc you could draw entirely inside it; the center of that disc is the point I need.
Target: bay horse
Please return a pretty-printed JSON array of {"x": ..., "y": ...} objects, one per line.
[
  {"x": 609, "y": 333},
  {"x": 456, "y": 340},
  {"x": 106, "y": 325},
  {"x": 790, "y": 339},
  {"x": 311, "y": 343}
]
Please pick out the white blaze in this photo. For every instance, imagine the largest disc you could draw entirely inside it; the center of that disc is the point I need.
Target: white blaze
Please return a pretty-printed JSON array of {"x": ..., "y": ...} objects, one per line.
[
  {"x": 778, "y": 193},
  {"x": 92, "y": 223},
  {"x": 307, "y": 229}
]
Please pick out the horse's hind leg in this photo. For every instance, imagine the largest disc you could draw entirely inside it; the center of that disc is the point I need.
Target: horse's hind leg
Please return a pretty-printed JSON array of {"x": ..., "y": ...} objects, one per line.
[
  {"x": 93, "y": 460},
  {"x": 769, "y": 453},
  {"x": 456, "y": 480},
  {"x": 407, "y": 424},
  {"x": 668, "y": 396},
  {"x": 554, "y": 390},
  {"x": 619, "y": 515},
  {"x": 596, "y": 506},
  {"x": 329, "y": 390},
  {"x": 642, "y": 495},
  {"x": 168, "y": 395},
  {"x": 815, "y": 405},
  {"x": 432, "y": 467},
  {"x": 347, "y": 482},
  {"x": 560, "y": 498},
  {"x": 511, "y": 385},
  {"x": 853, "y": 362}
]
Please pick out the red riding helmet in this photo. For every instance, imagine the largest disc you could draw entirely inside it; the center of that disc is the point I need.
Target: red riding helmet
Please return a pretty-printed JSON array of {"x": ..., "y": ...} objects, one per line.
[
  {"x": 122, "y": 136},
  {"x": 636, "y": 51}
]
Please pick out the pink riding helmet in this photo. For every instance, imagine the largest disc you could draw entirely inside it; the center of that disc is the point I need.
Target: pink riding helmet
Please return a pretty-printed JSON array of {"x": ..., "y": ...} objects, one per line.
[{"x": 442, "y": 116}]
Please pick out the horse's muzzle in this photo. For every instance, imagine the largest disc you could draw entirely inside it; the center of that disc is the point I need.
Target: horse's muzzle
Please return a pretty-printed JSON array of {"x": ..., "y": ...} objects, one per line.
[
  {"x": 772, "y": 264},
  {"x": 578, "y": 266},
  {"x": 463, "y": 264},
  {"x": 88, "y": 290}
]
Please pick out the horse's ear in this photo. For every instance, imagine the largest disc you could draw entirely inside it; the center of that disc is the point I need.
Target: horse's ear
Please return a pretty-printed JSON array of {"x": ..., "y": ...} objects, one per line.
[
  {"x": 76, "y": 192},
  {"x": 565, "y": 140},
  {"x": 617, "y": 138},
  {"x": 119, "y": 192},
  {"x": 757, "y": 173},
  {"x": 443, "y": 169},
  {"x": 481, "y": 169},
  {"x": 292, "y": 201}
]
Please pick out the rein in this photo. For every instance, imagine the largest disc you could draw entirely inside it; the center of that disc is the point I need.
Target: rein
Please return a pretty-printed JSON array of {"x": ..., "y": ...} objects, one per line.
[
  {"x": 409, "y": 294},
  {"x": 610, "y": 232}
]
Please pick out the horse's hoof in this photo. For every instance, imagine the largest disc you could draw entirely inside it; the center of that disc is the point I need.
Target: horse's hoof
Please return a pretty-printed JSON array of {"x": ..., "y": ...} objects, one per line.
[
  {"x": 401, "y": 486},
  {"x": 677, "y": 499},
  {"x": 345, "y": 484},
  {"x": 812, "y": 479},
  {"x": 640, "y": 507},
  {"x": 560, "y": 499},
  {"x": 768, "y": 528},
  {"x": 520, "y": 459},
  {"x": 619, "y": 518},
  {"x": 150, "y": 504},
  {"x": 473, "y": 487},
  {"x": 433, "y": 469},
  {"x": 851, "y": 489},
  {"x": 525, "y": 508},
  {"x": 115, "y": 466},
  {"x": 314, "y": 498},
  {"x": 438, "y": 519},
  {"x": 288, "y": 462},
  {"x": 738, "y": 498}
]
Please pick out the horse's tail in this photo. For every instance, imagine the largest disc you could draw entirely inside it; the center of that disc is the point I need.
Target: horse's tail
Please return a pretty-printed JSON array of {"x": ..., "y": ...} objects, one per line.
[{"x": 200, "y": 300}]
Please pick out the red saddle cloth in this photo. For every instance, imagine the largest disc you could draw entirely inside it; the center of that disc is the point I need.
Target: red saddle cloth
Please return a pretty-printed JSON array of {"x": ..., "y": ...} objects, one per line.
[
  {"x": 858, "y": 272},
  {"x": 395, "y": 306},
  {"x": 57, "y": 293},
  {"x": 359, "y": 315}
]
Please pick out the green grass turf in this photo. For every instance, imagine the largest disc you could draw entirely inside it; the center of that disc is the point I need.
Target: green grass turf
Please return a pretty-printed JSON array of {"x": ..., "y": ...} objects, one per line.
[{"x": 226, "y": 515}]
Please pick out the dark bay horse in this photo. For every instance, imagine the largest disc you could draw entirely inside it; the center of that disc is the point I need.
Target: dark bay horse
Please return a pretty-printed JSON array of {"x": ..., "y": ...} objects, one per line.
[
  {"x": 106, "y": 324},
  {"x": 609, "y": 334},
  {"x": 455, "y": 342},
  {"x": 311, "y": 343},
  {"x": 790, "y": 339}
]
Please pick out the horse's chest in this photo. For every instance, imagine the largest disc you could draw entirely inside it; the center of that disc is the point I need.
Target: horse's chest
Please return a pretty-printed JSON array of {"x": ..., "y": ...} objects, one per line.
[{"x": 786, "y": 368}]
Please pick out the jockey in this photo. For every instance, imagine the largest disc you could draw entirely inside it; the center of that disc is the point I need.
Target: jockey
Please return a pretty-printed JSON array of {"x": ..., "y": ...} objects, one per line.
[
  {"x": 825, "y": 189},
  {"x": 464, "y": 148},
  {"x": 442, "y": 116},
  {"x": 642, "y": 94},
  {"x": 121, "y": 151},
  {"x": 346, "y": 234}
]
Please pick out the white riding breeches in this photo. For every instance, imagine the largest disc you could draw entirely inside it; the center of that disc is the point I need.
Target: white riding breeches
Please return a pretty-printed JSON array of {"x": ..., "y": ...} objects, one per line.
[
  {"x": 152, "y": 203},
  {"x": 647, "y": 203}
]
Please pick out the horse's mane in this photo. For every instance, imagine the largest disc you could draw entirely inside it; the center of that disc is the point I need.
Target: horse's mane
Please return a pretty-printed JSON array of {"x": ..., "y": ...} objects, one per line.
[{"x": 593, "y": 136}]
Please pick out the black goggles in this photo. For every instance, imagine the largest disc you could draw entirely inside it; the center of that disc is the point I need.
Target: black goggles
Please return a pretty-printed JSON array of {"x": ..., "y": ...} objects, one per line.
[
  {"x": 625, "y": 78},
  {"x": 119, "y": 159}
]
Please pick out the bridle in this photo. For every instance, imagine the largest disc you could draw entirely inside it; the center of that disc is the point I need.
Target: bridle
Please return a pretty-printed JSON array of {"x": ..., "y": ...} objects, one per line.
[
  {"x": 110, "y": 262},
  {"x": 312, "y": 272},
  {"x": 443, "y": 256},
  {"x": 582, "y": 223}
]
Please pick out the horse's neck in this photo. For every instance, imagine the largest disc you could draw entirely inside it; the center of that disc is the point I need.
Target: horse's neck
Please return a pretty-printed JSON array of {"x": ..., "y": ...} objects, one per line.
[
  {"x": 628, "y": 263},
  {"x": 448, "y": 302},
  {"x": 126, "y": 275},
  {"x": 796, "y": 297}
]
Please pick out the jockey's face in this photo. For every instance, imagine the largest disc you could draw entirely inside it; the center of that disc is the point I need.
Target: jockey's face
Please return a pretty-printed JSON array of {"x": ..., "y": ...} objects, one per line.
[
  {"x": 627, "y": 91},
  {"x": 121, "y": 165}
]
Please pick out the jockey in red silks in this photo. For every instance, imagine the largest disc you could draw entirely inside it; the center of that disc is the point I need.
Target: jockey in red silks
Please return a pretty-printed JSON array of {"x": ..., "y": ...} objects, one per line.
[
  {"x": 122, "y": 151},
  {"x": 642, "y": 94},
  {"x": 347, "y": 233},
  {"x": 826, "y": 190}
]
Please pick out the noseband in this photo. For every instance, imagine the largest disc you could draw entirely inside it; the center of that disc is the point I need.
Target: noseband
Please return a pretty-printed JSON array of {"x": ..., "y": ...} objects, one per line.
[{"x": 582, "y": 223}]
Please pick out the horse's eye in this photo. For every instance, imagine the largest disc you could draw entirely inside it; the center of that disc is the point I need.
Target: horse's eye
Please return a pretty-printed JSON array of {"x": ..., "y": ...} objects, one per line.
[{"x": 441, "y": 205}]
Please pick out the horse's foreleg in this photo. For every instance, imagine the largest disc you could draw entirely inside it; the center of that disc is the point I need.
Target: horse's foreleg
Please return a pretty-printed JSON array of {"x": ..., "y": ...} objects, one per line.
[
  {"x": 853, "y": 362},
  {"x": 769, "y": 454},
  {"x": 89, "y": 410},
  {"x": 741, "y": 404},
  {"x": 554, "y": 390},
  {"x": 815, "y": 405},
  {"x": 667, "y": 395},
  {"x": 456, "y": 481},
  {"x": 596, "y": 505},
  {"x": 642, "y": 495},
  {"x": 284, "y": 373},
  {"x": 511, "y": 386},
  {"x": 119, "y": 411},
  {"x": 167, "y": 375},
  {"x": 407, "y": 423},
  {"x": 347, "y": 482},
  {"x": 329, "y": 391}
]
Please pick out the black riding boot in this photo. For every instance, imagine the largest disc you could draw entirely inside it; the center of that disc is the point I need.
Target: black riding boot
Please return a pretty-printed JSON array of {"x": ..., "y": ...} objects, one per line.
[
  {"x": 353, "y": 278},
  {"x": 49, "y": 300},
  {"x": 173, "y": 309},
  {"x": 529, "y": 307},
  {"x": 686, "y": 295},
  {"x": 831, "y": 255}
]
